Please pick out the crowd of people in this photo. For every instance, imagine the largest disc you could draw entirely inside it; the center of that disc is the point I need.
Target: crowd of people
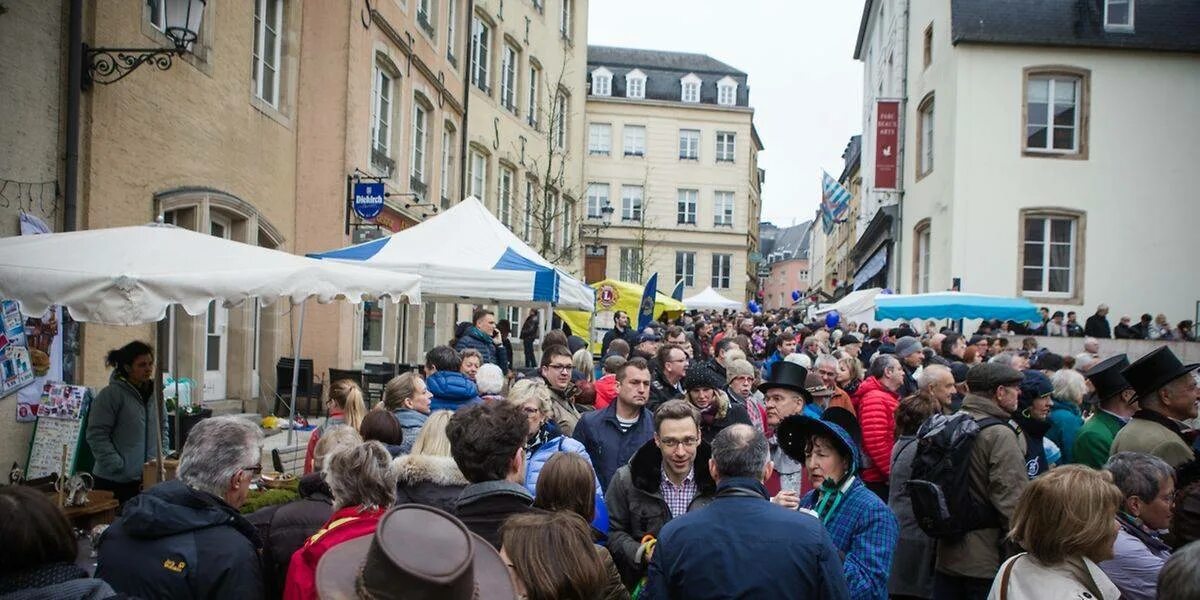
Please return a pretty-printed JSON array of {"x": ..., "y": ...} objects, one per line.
[
  {"x": 1060, "y": 324},
  {"x": 716, "y": 456}
]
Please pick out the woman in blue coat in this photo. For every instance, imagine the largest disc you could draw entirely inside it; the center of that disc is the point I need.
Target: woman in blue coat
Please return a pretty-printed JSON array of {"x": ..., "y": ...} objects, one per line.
[
  {"x": 533, "y": 397},
  {"x": 859, "y": 523}
]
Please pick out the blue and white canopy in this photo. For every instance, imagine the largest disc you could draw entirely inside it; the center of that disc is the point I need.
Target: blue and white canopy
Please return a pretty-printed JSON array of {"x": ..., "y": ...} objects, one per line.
[
  {"x": 954, "y": 305},
  {"x": 465, "y": 254}
]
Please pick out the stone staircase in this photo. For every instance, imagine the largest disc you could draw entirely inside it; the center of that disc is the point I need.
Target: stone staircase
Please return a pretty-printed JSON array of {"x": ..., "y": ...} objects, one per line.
[{"x": 224, "y": 407}]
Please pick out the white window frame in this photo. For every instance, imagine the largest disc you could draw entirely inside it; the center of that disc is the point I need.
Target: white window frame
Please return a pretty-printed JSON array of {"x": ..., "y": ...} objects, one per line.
[
  {"x": 632, "y": 202},
  {"x": 565, "y": 20},
  {"x": 420, "y": 140},
  {"x": 508, "y": 178},
  {"x": 597, "y": 197},
  {"x": 1046, "y": 246},
  {"x": 554, "y": 213},
  {"x": 562, "y": 105},
  {"x": 451, "y": 32},
  {"x": 477, "y": 176},
  {"x": 381, "y": 110},
  {"x": 601, "y": 82},
  {"x": 924, "y": 241},
  {"x": 635, "y": 85},
  {"x": 481, "y": 40},
  {"x": 508, "y": 78},
  {"x": 427, "y": 9},
  {"x": 685, "y": 206},
  {"x": 568, "y": 222},
  {"x": 599, "y": 139},
  {"x": 1108, "y": 26},
  {"x": 630, "y": 259},
  {"x": 727, "y": 91},
  {"x": 689, "y": 88},
  {"x": 634, "y": 145},
  {"x": 726, "y": 146},
  {"x": 925, "y": 115},
  {"x": 447, "y": 160},
  {"x": 383, "y": 327},
  {"x": 723, "y": 208},
  {"x": 527, "y": 226},
  {"x": 261, "y": 53},
  {"x": 722, "y": 269},
  {"x": 1052, "y": 82},
  {"x": 685, "y": 268},
  {"x": 689, "y": 144},
  {"x": 535, "y": 76}
]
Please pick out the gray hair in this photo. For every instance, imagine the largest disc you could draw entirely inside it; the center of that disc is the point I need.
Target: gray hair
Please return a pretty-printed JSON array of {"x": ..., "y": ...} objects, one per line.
[
  {"x": 825, "y": 359},
  {"x": 216, "y": 449},
  {"x": 1084, "y": 361},
  {"x": 1138, "y": 474},
  {"x": 740, "y": 451},
  {"x": 531, "y": 389},
  {"x": 1179, "y": 579},
  {"x": 335, "y": 439},
  {"x": 489, "y": 379},
  {"x": 361, "y": 476},
  {"x": 1004, "y": 358},
  {"x": 1068, "y": 385},
  {"x": 930, "y": 374},
  {"x": 584, "y": 362},
  {"x": 881, "y": 363}
]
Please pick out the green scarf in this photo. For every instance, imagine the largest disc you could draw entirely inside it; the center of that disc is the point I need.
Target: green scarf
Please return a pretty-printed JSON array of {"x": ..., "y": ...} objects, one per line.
[{"x": 830, "y": 496}]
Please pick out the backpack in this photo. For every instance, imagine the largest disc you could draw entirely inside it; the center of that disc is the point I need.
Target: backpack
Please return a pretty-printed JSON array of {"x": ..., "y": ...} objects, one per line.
[{"x": 942, "y": 501}]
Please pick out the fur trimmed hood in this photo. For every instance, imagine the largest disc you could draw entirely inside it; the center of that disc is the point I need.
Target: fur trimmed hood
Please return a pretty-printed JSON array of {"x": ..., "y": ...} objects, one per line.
[{"x": 412, "y": 469}]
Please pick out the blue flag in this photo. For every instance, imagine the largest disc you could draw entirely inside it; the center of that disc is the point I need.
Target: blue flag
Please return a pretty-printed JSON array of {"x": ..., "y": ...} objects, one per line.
[
  {"x": 677, "y": 293},
  {"x": 646, "y": 308}
]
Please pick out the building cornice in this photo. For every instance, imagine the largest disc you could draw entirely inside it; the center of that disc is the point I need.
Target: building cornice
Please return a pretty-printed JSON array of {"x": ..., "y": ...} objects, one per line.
[{"x": 671, "y": 104}]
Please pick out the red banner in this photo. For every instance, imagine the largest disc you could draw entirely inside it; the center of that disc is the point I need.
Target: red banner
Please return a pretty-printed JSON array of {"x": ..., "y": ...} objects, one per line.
[{"x": 887, "y": 128}]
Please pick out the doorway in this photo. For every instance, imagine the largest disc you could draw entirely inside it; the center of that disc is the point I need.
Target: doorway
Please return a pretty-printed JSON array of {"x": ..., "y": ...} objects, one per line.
[
  {"x": 216, "y": 325},
  {"x": 595, "y": 264}
]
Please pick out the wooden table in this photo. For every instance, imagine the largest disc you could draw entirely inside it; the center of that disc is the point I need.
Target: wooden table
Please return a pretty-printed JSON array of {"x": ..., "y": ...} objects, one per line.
[{"x": 101, "y": 509}]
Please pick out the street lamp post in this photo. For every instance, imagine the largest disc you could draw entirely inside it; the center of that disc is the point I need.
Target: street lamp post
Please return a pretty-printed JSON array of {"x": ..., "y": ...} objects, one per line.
[{"x": 182, "y": 25}]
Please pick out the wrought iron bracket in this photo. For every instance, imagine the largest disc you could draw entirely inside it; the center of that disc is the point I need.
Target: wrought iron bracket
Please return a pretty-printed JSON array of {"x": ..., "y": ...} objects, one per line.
[{"x": 108, "y": 65}]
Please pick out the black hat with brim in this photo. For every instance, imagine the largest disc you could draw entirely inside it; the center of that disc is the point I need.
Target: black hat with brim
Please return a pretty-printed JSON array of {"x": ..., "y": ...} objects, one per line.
[
  {"x": 1151, "y": 372},
  {"x": 1106, "y": 376},
  {"x": 789, "y": 376}
]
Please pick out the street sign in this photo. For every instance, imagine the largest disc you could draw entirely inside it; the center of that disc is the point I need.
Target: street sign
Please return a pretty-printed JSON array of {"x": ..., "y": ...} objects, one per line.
[
  {"x": 755, "y": 258},
  {"x": 368, "y": 199}
]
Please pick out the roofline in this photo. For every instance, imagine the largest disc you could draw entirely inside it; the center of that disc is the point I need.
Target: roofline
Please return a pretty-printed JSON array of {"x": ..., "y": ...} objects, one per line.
[
  {"x": 958, "y": 39},
  {"x": 862, "y": 29},
  {"x": 669, "y": 103},
  {"x": 754, "y": 136},
  {"x": 731, "y": 71}
]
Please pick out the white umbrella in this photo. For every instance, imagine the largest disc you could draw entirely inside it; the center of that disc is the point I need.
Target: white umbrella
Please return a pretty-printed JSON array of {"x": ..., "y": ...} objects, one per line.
[
  {"x": 710, "y": 299},
  {"x": 131, "y": 275}
]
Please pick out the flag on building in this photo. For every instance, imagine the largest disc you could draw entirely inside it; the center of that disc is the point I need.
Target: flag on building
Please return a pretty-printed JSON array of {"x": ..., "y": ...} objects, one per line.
[{"x": 835, "y": 200}]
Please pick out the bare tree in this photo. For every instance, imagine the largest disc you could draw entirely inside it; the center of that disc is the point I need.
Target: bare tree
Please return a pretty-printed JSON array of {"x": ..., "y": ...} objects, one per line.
[{"x": 647, "y": 237}]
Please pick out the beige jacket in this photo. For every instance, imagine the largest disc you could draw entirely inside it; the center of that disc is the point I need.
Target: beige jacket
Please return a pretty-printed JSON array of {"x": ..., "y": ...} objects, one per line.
[
  {"x": 998, "y": 476},
  {"x": 1150, "y": 437},
  {"x": 1030, "y": 579}
]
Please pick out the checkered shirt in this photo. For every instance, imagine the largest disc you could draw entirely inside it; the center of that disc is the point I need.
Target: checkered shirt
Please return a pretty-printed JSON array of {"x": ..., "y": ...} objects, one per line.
[{"x": 678, "y": 497}]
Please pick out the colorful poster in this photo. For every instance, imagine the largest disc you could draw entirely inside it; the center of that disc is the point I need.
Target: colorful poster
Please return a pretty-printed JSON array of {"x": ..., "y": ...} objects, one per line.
[
  {"x": 16, "y": 367},
  {"x": 887, "y": 132},
  {"x": 44, "y": 339}
]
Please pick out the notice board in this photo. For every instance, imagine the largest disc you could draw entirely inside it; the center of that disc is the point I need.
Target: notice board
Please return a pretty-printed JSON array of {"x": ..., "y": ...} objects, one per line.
[{"x": 61, "y": 415}]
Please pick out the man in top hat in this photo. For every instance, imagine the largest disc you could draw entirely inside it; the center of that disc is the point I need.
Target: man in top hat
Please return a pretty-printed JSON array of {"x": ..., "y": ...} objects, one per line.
[
  {"x": 785, "y": 393},
  {"x": 1167, "y": 394},
  {"x": 1117, "y": 405}
]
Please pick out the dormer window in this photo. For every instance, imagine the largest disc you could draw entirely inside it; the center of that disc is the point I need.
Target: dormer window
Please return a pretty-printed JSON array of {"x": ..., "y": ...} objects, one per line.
[
  {"x": 601, "y": 82},
  {"x": 635, "y": 84},
  {"x": 727, "y": 91},
  {"x": 690, "y": 88},
  {"x": 1118, "y": 15}
]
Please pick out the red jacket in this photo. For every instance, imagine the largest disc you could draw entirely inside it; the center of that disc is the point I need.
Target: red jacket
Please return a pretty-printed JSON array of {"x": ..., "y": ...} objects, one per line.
[
  {"x": 343, "y": 526},
  {"x": 877, "y": 418},
  {"x": 606, "y": 391}
]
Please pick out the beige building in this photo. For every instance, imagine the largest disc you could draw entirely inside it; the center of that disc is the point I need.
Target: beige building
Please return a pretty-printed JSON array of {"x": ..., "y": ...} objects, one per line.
[
  {"x": 839, "y": 244},
  {"x": 672, "y": 172}
]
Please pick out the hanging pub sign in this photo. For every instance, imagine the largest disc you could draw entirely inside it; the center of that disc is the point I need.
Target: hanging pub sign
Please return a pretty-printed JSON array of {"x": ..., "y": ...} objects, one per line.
[
  {"x": 368, "y": 199},
  {"x": 887, "y": 128}
]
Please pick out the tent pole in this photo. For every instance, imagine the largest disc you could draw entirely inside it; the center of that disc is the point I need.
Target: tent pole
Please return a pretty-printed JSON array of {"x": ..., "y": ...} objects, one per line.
[{"x": 295, "y": 375}]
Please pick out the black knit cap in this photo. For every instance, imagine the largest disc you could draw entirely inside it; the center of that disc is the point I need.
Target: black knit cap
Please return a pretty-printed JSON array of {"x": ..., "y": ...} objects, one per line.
[{"x": 700, "y": 375}]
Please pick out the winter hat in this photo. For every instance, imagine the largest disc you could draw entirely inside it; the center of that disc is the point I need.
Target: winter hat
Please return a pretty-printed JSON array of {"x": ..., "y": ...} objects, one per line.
[
  {"x": 700, "y": 375},
  {"x": 1034, "y": 386},
  {"x": 906, "y": 346}
]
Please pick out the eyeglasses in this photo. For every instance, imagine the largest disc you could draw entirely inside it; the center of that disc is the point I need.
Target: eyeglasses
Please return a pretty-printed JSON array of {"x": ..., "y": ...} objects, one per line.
[
  {"x": 559, "y": 367},
  {"x": 672, "y": 443}
]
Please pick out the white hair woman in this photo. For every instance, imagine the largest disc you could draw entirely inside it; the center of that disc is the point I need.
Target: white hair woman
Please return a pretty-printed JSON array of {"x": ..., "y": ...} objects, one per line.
[
  {"x": 490, "y": 382},
  {"x": 1147, "y": 483},
  {"x": 1066, "y": 413},
  {"x": 364, "y": 487},
  {"x": 428, "y": 474}
]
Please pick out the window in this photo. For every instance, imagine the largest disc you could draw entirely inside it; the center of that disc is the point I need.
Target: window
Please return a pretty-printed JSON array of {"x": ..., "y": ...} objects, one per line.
[
  {"x": 720, "y": 270},
  {"x": 599, "y": 139},
  {"x": 689, "y": 88},
  {"x": 685, "y": 268},
  {"x": 268, "y": 21},
  {"x": 568, "y": 224},
  {"x": 534, "y": 77},
  {"x": 419, "y": 141},
  {"x": 921, "y": 254},
  {"x": 726, "y": 146},
  {"x": 527, "y": 226},
  {"x": 601, "y": 82},
  {"x": 372, "y": 327},
  {"x": 925, "y": 141},
  {"x": 631, "y": 265},
  {"x": 426, "y": 9},
  {"x": 481, "y": 38},
  {"x": 1051, "y": 253},
  {"x": 451, "y": 32},
  {"x": 727, "y": 91},
  {"x": 635, "y": 140},
  {"x": 540, "y": 5},
  {"x": 158, "y": 15},
  {"x": 1118, "y": 15},
  {"x": 508, "y": 79},
  {"x": 477, "y": 176},
  {"x": 504, "y": 212},
  {"x": 929, "y": 45},
  {"x": 561, "y": 105},
  {"x": 447, "y": 163},
  {"x": 552, "y": 213},
  {"x": 597, "y": 199},
  {"x": 685, "y": 212},
  {"x": 564, "y": 20},
  {"x": 631, "y": 203},
  {"x": 689, "y": 144},
  {"x": 381, "y": 117},
  {"x": 1055, "y": 108},
  {"x": 723, "y": 209},
  {"x": 635, "y": 84}
]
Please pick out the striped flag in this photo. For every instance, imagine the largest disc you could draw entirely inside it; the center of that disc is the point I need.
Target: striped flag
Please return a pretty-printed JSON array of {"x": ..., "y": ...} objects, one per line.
[{"x": 834, "y": 201}]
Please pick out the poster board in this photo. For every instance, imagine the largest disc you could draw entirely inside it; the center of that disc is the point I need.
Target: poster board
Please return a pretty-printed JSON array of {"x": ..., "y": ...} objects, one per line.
[
  {"x": 16, "y": 368},
  {"x": 61, "y": 415}
]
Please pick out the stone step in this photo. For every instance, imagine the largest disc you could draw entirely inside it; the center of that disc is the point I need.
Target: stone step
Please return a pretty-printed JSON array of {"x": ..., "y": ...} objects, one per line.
[{"x": 224, "y": 407}]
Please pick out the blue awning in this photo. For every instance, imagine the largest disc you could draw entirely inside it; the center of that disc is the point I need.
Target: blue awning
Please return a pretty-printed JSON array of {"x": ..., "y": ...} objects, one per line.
[{"x": 954, "y": 305}]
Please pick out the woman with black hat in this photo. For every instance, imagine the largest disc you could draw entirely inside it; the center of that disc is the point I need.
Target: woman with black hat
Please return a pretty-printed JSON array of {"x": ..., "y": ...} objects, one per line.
[
  {"x": 1033, "y": 410},
  {"x": 706, "y": 391}
]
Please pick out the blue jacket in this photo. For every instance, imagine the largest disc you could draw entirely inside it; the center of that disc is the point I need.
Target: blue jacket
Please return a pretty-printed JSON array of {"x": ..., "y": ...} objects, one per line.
[
  {"x": 770, "y": 364},
  {"x": 742, "y": 546},
  {"x": 451, "y": 391},
  {"x": 476, "y": 339},
  {"x": 1065, "y": 422},
  {"x": 411, "y": 423},
  {"x": 536, "y": 458},
  {"x": 610, "y": 448}
]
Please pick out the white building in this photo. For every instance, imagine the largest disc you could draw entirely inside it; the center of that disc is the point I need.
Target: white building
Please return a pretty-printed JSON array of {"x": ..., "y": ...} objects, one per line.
[{"x": 1045, "y": 152}]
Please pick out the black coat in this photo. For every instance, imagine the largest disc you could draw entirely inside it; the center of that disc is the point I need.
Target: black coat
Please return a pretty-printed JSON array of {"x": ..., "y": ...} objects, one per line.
[
  {"x": 284, "y": 528},
  {"x": 661, "y": 390},
  {"x": 629, "y": 335},
  {"x": 175, "y": 542},
  {"x": 483, "y": 507},
  {"x": 429, "y": 480},
  {"x": 1097, "y": 327},
  {"x": 733, "y": 415}
]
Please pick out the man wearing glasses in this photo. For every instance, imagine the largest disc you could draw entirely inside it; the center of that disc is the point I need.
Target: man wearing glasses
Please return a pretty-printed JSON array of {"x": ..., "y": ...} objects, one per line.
[
  {"x": 661, "y": 482},
  {"x": 556, "y": 372}
]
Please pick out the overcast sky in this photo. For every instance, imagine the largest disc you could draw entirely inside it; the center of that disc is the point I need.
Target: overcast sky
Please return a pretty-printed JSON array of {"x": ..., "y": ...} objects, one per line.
[{"x": 805, "y": 86}]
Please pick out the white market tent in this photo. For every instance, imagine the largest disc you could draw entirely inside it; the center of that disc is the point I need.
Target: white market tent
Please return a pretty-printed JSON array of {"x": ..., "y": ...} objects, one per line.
[
  {"x": 709, "y": 299},
  {"x": 858, "y": 305},
  {"x": 467, "y": 255},
  {"x": 131, "y": 275}
]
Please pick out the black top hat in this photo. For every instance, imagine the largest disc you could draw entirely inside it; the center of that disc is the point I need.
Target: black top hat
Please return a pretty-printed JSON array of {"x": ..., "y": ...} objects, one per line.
[
  {"x": 1106, "y": 376},
  {"x": 789, "y": 376},
  {"x": 1151, "y": 372}
]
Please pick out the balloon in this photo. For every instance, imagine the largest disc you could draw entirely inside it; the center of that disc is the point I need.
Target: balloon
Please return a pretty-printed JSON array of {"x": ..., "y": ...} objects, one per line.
[
  {"x": 886, "y": 291},
  {"x": 753, "y": 306},
  {"x": 832, "y": 318},
  {"x": 795, "y": 295}
]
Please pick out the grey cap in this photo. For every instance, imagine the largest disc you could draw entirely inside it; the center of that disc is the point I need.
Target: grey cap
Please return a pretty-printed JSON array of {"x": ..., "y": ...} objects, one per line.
[
  {"x": 907, "y": 345},
  {"x": 986, "y": 377}
]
